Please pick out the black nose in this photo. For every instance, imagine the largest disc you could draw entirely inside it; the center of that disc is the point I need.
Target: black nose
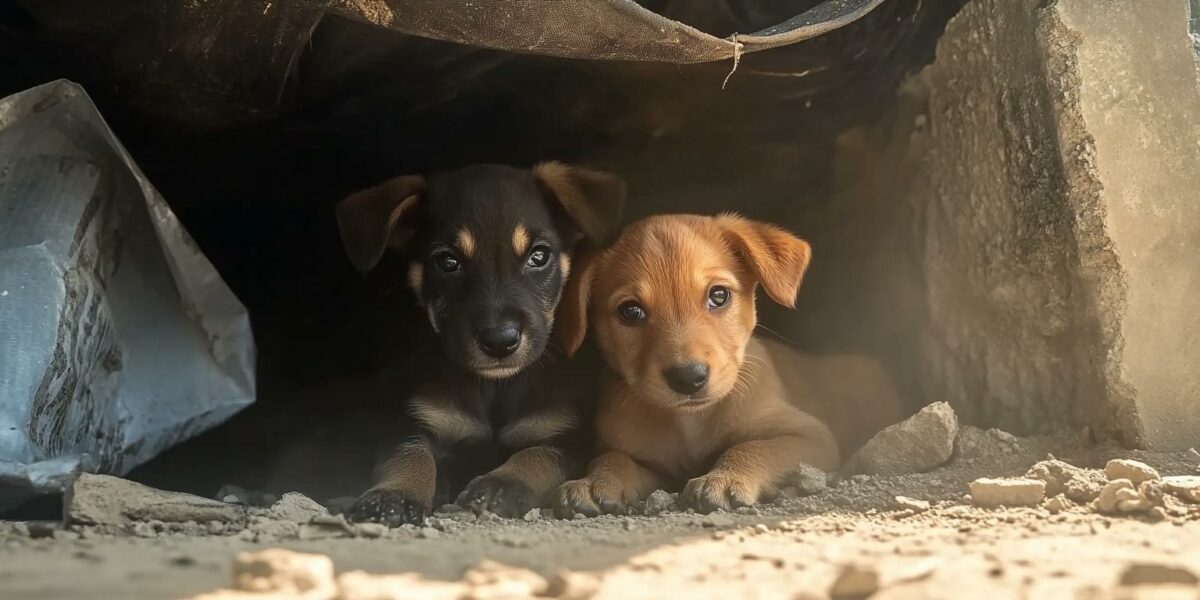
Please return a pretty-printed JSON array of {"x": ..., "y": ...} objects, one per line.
[
  {"x": 500, "y": 341},
  {"x": 687, "y": 378}
]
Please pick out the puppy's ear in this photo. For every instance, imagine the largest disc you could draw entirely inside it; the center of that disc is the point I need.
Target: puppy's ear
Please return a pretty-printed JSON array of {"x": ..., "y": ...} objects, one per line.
[
  {"x": 374, "y": 218},
  {"x": 571, "y": 317},
  {"x": 777, "y": 258},
  {"x": 592, "y": 199}
]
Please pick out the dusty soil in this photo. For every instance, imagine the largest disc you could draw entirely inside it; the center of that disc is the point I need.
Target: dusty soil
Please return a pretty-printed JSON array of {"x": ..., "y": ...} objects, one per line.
[{"x": 796, "y": 548}]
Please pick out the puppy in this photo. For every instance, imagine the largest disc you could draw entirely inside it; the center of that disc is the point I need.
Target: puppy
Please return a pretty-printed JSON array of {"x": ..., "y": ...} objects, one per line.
[
  {"x": 488, "y": 405},
  {"x": 692, "y": 396}
]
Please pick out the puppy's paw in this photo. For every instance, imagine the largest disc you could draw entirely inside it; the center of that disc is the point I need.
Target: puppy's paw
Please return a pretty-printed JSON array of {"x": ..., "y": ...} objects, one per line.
[
  {"x": 591, "y": 498},
  {"x": 718, "y": 490},
  {"x": 503, "y": 496},
  {"x": 387, "y": 507}
]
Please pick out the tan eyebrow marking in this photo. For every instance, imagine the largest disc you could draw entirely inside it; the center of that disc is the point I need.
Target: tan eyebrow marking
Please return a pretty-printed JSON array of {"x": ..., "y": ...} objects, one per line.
[
  {"x": 466, "y": 242},
  {"x": 564, "y": 263},
  {"x": 520, "y": 239},
  {"x": 416, "y": 271}
]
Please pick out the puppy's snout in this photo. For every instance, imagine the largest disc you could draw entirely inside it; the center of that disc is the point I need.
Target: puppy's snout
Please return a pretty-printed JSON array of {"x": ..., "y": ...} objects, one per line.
[
  {"x": 500, "y": 341},
  {"x": 687, "y": 378}
]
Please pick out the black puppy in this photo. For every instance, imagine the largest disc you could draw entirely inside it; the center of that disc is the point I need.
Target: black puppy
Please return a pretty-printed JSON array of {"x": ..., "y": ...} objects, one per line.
[{"x": 491, "y": 410}]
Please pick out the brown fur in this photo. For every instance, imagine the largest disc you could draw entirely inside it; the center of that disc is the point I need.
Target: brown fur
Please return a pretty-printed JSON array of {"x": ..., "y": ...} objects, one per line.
[
  {"x": 765, "y": 409},
  {"x": 410, "y": 470}
]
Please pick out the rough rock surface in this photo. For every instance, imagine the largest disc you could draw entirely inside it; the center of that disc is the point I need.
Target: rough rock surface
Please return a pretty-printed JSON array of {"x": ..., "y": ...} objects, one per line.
[
  {"x": 296, "y": 508},
  {"x": 105, "y": 500},
  {"x": 920, "y": 443},
  {"x": 988, "y": 492},
  {"x": 1136, "y": 472},
  {"x": 1186, "y": 487}
]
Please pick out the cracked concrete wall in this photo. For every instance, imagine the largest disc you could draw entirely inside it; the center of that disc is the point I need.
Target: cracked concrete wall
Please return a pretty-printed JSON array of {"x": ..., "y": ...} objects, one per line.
[{"x": 1053, "y": 167}]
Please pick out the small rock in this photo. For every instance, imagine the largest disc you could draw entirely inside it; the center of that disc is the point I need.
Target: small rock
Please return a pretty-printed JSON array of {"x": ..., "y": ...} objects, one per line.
[
  {"x": 22, "y": 529},
  {"x": 1112, "y": 494},
  {"x": 246, "y": 535},
  {"x": 917, "y": 506},
  {"x": 370, "y": 530},
  {"x": 272, "y": 528},
  {"x": 716, "y": 520},
  {"x": 1155, "y": 574},
  {"x": 144, "y": 530},
  {"x": 296, "y": 508},
  {"x": 488, "y": 517},
  {"x": 1056, "y": 473},
  {"x": 1184, "y": 487},
  {"x": 41, "y": 529},
  {"x": 216, "y": 528},
  {"x": 1058, "y": 504},
  {"x": 659, "y": 502},
  {"x": 428, "y": 533},
  {"x": 1086, "y": 487},
  {"x": 808, "y": 480},
  {"x": 991, "y": 493},
  {"x": 1136, "y": 472},
  {"x": 920, "y": 443},
  {"x": 284, "y": 572},
  {"x": 1152, "y": 490},
  {"x": 450, "y": 509},
  {"x": 578, "y": 517},
  {"x": 534, "y": 514},
  {"x": 106, "y": 500},
  {"x": 854, "y": 583},
  {"x": 748, "y": 510}
]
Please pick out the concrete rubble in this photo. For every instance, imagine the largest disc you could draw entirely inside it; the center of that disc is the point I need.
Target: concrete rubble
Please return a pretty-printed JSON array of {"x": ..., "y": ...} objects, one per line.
[{"x": 922, "y": 442}]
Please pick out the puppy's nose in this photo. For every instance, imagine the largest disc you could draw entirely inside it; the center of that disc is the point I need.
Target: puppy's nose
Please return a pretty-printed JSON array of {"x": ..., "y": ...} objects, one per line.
[
  {"x": 687, "y": 378},
  {"x": 500, "y": 341}
]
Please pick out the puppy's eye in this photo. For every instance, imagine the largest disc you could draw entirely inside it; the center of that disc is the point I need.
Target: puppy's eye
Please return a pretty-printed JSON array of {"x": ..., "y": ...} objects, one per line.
[
  {"x": 539, "y": 257},
  {"x": 446, "y": 262},
  {"x": 718, "y": 296},
  {"x": 631, "y": 312}
]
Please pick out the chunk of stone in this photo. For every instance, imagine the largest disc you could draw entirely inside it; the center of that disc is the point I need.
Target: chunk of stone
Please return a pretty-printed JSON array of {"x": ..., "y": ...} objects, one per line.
[
  {"x": 854, "y": 583},
  {"x": 1086, "y": 487},
  {"x": 659, "y": 502},
  {"x": 1058, "y": 504},
  {"x": 990, "y": 493},
  {"x": 1136, "y": 472},
  {"x": 1157, "y": 574},
  {"x": 1112, "y": 494},
  {"x": 922, "y": 442},
  {"x": 1184, "y": 487},
  {"x": 809, "y": 480},
  {"x": 296, "y": 508},
  {"x": 917, "y": 506},
  {"x": 279, "y": 571},
  {"x": 1057, "y": 474},
  {"x": 106, "y": 500}
]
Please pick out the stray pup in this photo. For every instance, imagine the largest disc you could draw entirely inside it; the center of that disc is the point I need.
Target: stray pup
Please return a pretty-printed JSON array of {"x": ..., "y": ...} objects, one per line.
[
  {"x": 490, "y": 407},
  {"x": 693, "y": 397}
]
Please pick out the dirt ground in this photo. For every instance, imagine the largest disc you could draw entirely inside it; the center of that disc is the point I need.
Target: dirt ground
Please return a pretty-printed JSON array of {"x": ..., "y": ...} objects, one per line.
[{"x": 854, "y": 530}]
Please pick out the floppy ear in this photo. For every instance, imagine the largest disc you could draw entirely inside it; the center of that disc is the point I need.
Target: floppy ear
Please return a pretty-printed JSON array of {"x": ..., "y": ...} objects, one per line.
[
  {"x": 571, "y": 317},
  {"x": 593, "y": 200},
  {"x": 777, "y": 258},
  {"x": 373, "y": 218}
]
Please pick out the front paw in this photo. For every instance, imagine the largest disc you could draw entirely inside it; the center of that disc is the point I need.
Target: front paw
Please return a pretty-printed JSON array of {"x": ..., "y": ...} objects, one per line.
[
  {"x": 725, "y": 491},
  {"x": 503, "y": 496},
  {"x": 388, "y": 507},
  {"x": 591, "y": 498}
]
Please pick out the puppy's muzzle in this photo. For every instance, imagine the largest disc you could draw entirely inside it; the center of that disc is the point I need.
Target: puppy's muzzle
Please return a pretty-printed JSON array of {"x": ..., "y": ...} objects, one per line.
[
  {"x": 499, "y": 341},
  {"x": 687, "y": 378}
]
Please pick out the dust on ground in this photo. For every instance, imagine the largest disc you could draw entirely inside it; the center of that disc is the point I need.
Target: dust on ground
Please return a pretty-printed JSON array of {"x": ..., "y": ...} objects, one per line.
[{"x": 849, "y": 539}]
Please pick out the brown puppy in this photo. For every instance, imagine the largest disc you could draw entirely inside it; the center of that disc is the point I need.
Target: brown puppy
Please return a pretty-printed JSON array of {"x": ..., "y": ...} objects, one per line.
[{"x": 693, "y": 396}]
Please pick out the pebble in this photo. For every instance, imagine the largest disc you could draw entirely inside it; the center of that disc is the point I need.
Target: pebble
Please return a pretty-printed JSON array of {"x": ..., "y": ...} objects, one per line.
[
  {"x": 1184, "y": 487},
  {"x": 145, "y": 530},
  {"x": 428, "y": 533},
  {"x": 1156, "y": 574},
  {"x": 1112, "y": 494},
  {"x": 809, "y": 480},
  {"x": 991, "y": 493},
  {"x": 534, "y": 514},
  {"x": 855, "y": 583},
  {"x": 917, "y": 506},
  {"x": 716, "y": 520},
  {"x": 370, "y": 530},
  {"x": 1058, "y": 504},
  {"x": 1136, "y": 472},
  {"x": 659, "y": 502},
  {"x": 40, "y": 529}
]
